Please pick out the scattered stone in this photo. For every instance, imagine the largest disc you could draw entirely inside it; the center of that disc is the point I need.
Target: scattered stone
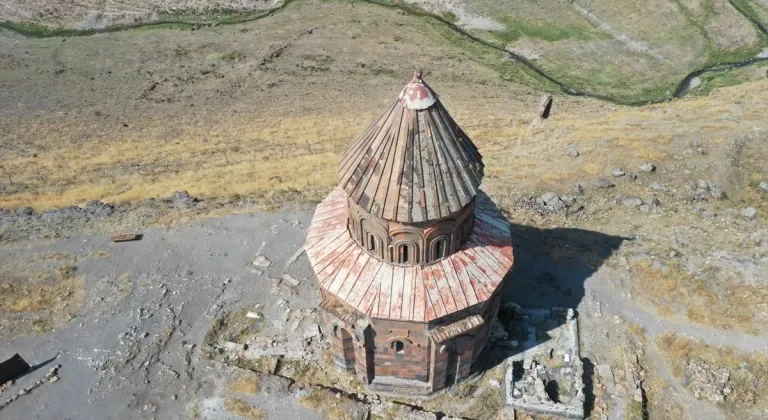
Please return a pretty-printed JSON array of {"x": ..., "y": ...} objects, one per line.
[
  {"x": 606, "y": 374},
  {"x": 716, "y": 191},
  {"x": 604, "y": 183},
  {"x": 182, "y": 199},
  {"x": 657, "y": 186},
  {"x": 497, "y": 332},
  {"x": 632, "y": 201},
  {"x": 632, "y": 176},
  {"x": 617, "y": 172},
  {"x": 254, "y": 315},
  {"x": 578, "y": 189},
  {"x": 708, "y": 382},
  {"x": 98, "y": 210},
  {"x": 647, "y": 167},
  {"x": 749, "y": 212},
  {"x": 293, "y": 282},
  {"x": 763, "y": 186},
  {"x": 261, "y": 261},
  {"x": 572, "y": 152}
]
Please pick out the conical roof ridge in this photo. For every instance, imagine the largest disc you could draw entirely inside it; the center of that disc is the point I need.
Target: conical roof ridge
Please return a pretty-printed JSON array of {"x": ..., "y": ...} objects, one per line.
[{"x": 413, "y": 163}]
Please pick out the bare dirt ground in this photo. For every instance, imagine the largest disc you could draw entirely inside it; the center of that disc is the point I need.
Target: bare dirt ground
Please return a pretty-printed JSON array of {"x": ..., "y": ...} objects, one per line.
[
  {"x": 253, "y": 117},
  {"x": 106, "y": 13},
  {"x": 132, "y": 349}
]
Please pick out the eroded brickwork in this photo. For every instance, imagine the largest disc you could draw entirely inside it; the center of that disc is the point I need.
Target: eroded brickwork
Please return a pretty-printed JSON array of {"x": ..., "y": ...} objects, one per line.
[
  {"x": 401, "y": 349},
  {"x": 342, "y": 344}
]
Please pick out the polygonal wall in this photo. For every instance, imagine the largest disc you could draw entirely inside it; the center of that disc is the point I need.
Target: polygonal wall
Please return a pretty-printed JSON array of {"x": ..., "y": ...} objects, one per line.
[
  {"x": 403, "y": 357},
  {"x": 410, "y": 243}
]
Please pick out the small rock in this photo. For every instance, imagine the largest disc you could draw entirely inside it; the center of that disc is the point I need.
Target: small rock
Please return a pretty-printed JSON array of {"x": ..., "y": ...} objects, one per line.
[
  {"x": 572, "y": 152},
  {"x": 548, "y": 197},
  {"x": 637, "y": 395},
  {"x": 716, "y": 191},
  {"x": 631, "y": 176},
  {"x": 749, "y": 212},
  {"x": 182, "y": 199},
  {"x": 578, "y": 189},
  {"x": 606, "y": 373},
  {"x": 618, "y": 172},
  {"x": 494, "y": 383},
  {"x": 261, "y": 261},
  {"x": 763, "y": 186},
  {"x": 657, "y": 186},
  {"x": 702, "y": 184},
  {"x": 53, "y": 379},
  {"x": 293, "y": 282},
  {"x": 632, "y": 202},
  {"x": 604, "y": 183},
  {"x": 254, "y": 315},
  {"x": 647, "y": 167}
]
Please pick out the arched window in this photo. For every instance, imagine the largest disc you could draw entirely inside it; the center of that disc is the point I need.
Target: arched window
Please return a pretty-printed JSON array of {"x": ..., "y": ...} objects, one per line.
[
  {"x": 398, "y": 346},
  {"x": 438, "y": 248},
  {"x": 373, "y": 243},
  {"x": 407, "y": 253},
  {"x": 336, "y": 331}
]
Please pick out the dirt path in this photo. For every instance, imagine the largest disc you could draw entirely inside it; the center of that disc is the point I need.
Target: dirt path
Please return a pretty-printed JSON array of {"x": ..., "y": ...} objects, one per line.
[
  {"x": 696, "y": 409},
  {"x": 615, "y": 302}
]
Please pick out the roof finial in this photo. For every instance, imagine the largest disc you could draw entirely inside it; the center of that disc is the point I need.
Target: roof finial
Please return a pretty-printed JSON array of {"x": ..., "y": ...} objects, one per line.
[{"x": 417, "y": 74}]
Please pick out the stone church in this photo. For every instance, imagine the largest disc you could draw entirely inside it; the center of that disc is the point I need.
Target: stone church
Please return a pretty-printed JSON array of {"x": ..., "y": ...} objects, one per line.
[{"x": 409, "y": 253}]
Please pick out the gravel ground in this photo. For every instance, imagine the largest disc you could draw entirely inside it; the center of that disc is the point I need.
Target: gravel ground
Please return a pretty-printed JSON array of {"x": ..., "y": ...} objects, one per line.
[{"x": 132, "y": 350}]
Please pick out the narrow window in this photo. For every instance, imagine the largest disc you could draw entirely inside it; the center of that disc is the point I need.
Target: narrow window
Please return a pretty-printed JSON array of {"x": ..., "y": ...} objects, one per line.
[
  {"x": 399, "y": 347},
  {"x": 438, "y": 249},
  {"x": 371, "y": 243},
  {"x": 403, "y": 254}
]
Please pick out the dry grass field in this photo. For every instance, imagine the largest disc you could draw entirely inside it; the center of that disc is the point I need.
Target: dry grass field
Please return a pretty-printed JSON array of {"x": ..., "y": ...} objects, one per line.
[{"x": 139, "y": 114}]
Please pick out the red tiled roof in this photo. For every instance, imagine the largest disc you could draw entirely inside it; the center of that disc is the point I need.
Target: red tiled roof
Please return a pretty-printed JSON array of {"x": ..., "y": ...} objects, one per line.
[{"x": 383, "y": 290}]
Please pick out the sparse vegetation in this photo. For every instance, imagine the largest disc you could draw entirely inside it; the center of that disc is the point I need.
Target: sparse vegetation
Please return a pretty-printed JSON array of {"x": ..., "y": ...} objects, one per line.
[
  {"x": 233, "y": 326},
  {"x": 748, "y": 371},
  {"x": 704, "y": 300},
  {"x": 332, "y": 407},
  {"x": 242, "y": 408},
  {"x": 249, "y": 385}
]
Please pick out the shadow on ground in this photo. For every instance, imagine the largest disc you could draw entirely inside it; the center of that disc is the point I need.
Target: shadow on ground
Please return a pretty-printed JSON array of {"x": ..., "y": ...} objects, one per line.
[{"x": 551, "y": 266}]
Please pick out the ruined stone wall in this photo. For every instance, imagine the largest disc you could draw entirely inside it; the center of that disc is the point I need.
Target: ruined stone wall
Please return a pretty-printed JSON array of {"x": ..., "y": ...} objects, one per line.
[{"x": 340, "y": 337}]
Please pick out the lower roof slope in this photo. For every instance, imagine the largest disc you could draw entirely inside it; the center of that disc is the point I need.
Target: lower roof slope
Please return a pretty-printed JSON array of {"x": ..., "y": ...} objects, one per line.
[{"x": 420, "y": 294}]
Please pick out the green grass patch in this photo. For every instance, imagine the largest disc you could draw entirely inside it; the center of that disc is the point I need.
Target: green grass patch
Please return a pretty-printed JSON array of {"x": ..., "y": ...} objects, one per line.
[
  {"x": 450, "y": 16},
  {"x": 717, "y": 80},
  {"x": 745, "y": 8},
  {"x": 518, "y": 28}
]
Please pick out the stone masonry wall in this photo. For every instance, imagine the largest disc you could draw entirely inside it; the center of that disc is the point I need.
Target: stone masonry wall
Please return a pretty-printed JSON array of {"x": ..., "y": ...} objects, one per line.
[
  {"x": 413, "y": 361},
  {"x": 342, "y": 346}
]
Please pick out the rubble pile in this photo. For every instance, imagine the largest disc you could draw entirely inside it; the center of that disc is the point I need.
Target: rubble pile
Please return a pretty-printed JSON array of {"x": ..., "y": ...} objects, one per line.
[
  {"x": 50, "y": 377},
  {"x": 707, "y": 382}
]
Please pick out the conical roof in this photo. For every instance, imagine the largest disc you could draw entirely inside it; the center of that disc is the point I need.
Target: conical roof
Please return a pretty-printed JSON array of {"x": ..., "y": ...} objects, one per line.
[{"x": 413, "y": 163}]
